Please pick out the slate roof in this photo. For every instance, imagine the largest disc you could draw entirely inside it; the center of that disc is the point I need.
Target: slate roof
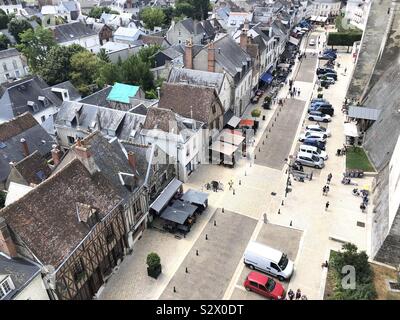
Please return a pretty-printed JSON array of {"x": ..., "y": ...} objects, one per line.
[
  {"x": 45, "y": 218},
  {"x": 73, "y": 92},
  {"x": 98, "y": 98},
  {"x": 71, "y": 31},
  {"x": 189, "y": 101},
  {"x": 179, "y": 49},
  {"x": 11, "y": 132},
  {"x": 34, "y": 168},
  {"x": 152, "y": 40},
  {"x": 196, "y": 77},
  {"x": 21, "y": 272},
  {"x": 109, "y": 158},
  {"x": 12, "y": 52},
  {"x": 230, "y": 55},
  {"x": 122, "y": 122},
  {"x": 193, "y": 27},
  {"x": 29, "y": 89}
]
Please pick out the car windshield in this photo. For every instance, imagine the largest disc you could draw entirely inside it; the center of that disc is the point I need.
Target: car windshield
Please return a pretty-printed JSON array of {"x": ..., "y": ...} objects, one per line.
[
  {"x": 283, "y": 262},
  {"x": 270, "y": 285}
]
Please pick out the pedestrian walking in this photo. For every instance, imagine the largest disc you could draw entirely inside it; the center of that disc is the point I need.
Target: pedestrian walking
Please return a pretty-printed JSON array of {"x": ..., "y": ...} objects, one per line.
[
  {"x": 326, "y": 205},
  {"x": 291, "y": 294},
  {"x": 345, "y": 70},
  {"x": 328, "y": 180},
  {"x": 324, "y": 191},
  {"x": 230, "y": 183},
  {"x": 298, "y": 92},
  {"x": 298, "y": 294}
]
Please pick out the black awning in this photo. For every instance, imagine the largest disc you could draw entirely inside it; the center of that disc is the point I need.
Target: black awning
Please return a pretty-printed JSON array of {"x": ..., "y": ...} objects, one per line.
[
  {"x": 184, "y": 206},
  {"x": 166, "y": 195},
  {"x": 195, "y": 197},
  {"x": 175, "y": 215}
]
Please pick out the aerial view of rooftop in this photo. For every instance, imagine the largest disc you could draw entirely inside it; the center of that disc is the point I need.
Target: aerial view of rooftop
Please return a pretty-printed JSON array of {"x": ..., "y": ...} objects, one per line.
[{"x": 176, "y": 152}]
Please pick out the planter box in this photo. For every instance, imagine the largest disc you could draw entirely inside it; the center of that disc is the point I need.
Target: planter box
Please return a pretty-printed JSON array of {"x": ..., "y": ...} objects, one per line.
[{"x": 154, "y": 272}]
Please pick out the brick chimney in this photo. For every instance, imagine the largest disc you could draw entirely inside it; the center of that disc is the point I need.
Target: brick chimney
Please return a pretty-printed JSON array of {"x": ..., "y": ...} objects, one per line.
[
  {"x": 55, "y": 155},
  {"x": 188, "y": 60},
  {"x": 81, "y": 150},
  {"x": 25, "y": 147},
  {"x": 211, "y": 57},
  {"x": 7, "y": 244},
  {"x": 132, "y": 160}
]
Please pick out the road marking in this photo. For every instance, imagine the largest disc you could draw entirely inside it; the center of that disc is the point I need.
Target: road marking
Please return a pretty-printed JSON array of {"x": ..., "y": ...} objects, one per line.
[{"x": 240, "y": 287}]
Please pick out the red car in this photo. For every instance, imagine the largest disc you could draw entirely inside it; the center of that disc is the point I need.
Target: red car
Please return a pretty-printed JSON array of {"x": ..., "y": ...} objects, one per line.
[{"x": 264, "y": 286}]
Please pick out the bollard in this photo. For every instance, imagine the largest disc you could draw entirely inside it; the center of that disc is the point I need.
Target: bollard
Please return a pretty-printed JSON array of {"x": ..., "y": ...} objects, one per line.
[
  {"x": 197, "y": 252},
  {"x": 255, "y": 157},
  {"x": 233, "y": 191},
  {"x": 279, "y": 211},
  {"x": 290, "y": 222},
  {"x": 174, "y": 289},
  {"x": 186, "y": 270},
  {"x": 206, "y": 236},
  {"x": 215, "y": 223},
  {"x": 259, "y": 149},
  {"x": 240, "y": 182},
  {"x": 263, "y": 142},
  {"x": 282, "y": 203},
  {"x": 223, "y": 210}
]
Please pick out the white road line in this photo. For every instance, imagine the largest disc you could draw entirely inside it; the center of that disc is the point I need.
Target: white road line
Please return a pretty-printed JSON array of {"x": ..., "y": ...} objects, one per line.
[{"x": 240, "y": 287}]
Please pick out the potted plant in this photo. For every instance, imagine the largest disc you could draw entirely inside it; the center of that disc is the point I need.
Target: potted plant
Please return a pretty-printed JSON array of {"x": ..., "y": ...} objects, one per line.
[
  {"x": 256, "y": 113},
  {"x": 320, "y": 96},
  {"x": 153, "y": 265}
]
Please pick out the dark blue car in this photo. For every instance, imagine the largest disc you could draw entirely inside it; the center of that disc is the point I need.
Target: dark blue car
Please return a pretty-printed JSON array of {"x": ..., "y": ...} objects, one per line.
[{"x": 314, "y": 143}]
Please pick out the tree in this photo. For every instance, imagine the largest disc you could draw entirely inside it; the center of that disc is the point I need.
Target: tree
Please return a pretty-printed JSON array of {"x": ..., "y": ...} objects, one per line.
[
  {"x": 146, "y": 54},
  {"x": 343, "y": 39},
  {"x": 137, "y": 72},
  {"x": 96, "y": 12},
  {"x": 196, "y": 9},
  {"x": 84, "y": 71},
  {"x": 184, "y": 9},
  {"x": 2, "y": 199},
  {"x": 152, "y": 17},
  {"x": 169, "y": 14},
  {"x": 35, "y": 44},
  {"x": 55, "y": 68},
  {"x": 102, "y": 55},
  {"x": 17, "y": 26},
  {"x": 4, "y": 19},
  {"x": 4, "y": 42},
  {"x": 110, "y": 73}
]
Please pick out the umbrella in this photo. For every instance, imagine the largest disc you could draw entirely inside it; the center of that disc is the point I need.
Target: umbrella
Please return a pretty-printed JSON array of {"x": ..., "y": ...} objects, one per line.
[{"x": 366, "y": 187}]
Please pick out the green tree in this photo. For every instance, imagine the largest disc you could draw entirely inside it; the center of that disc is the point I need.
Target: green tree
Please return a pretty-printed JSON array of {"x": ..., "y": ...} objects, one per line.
[
  {"x": 96, "y": 12},
  {"x": 4, "y": 42},
  {"x": 184, "y": 9},
  {"x": 146, "y": 54},
  {"x": 4, "y": 19},
  {"x": 18, "y": 26},
  {"x": 102, "y": 55},
  {"x": 109, "y": 74},
  {"x": 137, "y": 72},
  {"x": 169, "y": 14},
  {"x": 343, "y": 39},
  {"x": 196, "y": 9},
  {"x": 35, "y": 44},
  {"x": 56, "y": 67},
  {"x": 152, "y": 17},
  {"x": 84, "y": 71}
]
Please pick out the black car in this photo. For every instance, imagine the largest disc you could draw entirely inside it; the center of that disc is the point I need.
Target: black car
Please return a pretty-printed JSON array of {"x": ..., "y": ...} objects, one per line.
[
  {"x": 325, "y": 70},
  {"x": 325, "y": 109},
  {"x": 328, "y": 75}
]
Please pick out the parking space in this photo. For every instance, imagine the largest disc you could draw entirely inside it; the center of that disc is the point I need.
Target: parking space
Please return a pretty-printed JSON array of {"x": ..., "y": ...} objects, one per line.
[
  {"x": 210, "y": 272},
  {"x": 278, "y": 237}
]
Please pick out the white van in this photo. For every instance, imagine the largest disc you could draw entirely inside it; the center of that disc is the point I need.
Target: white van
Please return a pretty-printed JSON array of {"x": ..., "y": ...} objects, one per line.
[
  {"x": 268, "y": 260},
  {"x": 314, "y": 151}
]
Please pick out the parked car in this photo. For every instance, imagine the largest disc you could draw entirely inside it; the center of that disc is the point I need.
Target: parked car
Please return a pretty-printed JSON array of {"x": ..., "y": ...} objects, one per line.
[
  {"x": 264, "y": 286},
  {"x": 318, "y": 128},
  {"x": 319, "y": 100},
  {"x": 325, "y": 70},
  {"x": 318, "y": 144},
  {"x": 318, "y": 136},
  {"x": 310, "y": 160},
  {"x": 312, "y": 42},
  {"x": 328, "y": 75},
  {"x": 323, "y": 108},
  {"x": 326, "y": 56},
  {"x": 314, "y": 151},
  {"x": 327, "y": 82},
  {"x": 316, "y": 104},
  {"x": 268, "y": 260},
  {"x": 319, "y": 116}
]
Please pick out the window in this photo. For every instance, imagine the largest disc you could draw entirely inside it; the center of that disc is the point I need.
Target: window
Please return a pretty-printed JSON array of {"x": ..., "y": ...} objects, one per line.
[
  {"x": 17, "y": 74},
  {"x": 213, "y": 108},
  {"x": 109, "y": 233},
  {"x": 254, "y": 284},
  {"x": 5, "y": 66},
  {"x": 71, "y": 140},
  {"x": 43, "y": 118},
  {"x": 274, "y": 266},
  {"x": 78, "y": 270},
  {"x": 15, "y": 64},
  {"x": 5, "y": 287}
]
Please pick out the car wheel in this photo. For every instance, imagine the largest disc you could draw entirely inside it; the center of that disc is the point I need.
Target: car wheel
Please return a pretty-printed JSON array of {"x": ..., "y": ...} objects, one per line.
[
  {"x": 325, "y": 120},
  {"x": 247, "y": 289},
  {"x": 317, "y": 167},
  {"x": 251, "y": 266},
  {"x": 311, "y": 118},
  {"x": 280, "y": 278}
]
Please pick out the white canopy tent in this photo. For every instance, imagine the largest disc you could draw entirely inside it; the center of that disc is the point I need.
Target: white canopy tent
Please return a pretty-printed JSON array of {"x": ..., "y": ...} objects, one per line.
[{"x": 350, "y": 129}]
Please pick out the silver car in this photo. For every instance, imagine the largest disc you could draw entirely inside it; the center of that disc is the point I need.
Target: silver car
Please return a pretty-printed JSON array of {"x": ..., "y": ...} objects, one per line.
[{"x": 310, "y": 160}]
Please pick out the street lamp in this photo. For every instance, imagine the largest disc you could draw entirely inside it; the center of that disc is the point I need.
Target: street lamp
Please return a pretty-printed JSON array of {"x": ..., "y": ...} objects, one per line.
[{"x": 178, "y": 147}]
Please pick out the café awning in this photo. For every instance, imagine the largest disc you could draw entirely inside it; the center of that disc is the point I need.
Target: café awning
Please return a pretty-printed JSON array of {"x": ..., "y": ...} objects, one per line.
[
  {"x": 224, "y": 148},
  {"x": 363, "y": 113},
  {"x": 184, "y": 206},
  {"x": 267, "y": 77},
  {"x": 195, "y": 197},
  {"x": 350, "y": 129},
  {"x": 166, "y": 195},
  {"x": 175, "y": 215}
]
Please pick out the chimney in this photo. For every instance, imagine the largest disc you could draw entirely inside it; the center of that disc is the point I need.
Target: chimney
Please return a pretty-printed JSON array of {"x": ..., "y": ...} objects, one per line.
[
  {"x": 132, "y": 160},
  {"x": 25, "y": 147},
  {"x": 7, "y": 244},
  {"x": 211, "y": 57},
  {"x": 55, "y": 155},
  {"x": 246, "y": 25},
  {"x": 81, "y": 150},
  {"x": 243, "y": 39},
  {"x": 189, "y": 54}
]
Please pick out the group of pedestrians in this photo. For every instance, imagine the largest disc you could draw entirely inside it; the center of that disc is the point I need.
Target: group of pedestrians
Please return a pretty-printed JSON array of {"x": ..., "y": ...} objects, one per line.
[
  {"x": 294, "y": 92},
  {"x": 325, "y": 189},
  {"x": 297, "y": 296}
]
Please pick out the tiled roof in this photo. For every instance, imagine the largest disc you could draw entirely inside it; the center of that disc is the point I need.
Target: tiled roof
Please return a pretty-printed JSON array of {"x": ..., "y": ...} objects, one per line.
[
  {"x": 71, "y": 31},
  {"x": 45, "y": 219},
  {"x": 16, "y": 126},
  {"x": 34, "y": 168},
  {"x": 196, "y": 77}
]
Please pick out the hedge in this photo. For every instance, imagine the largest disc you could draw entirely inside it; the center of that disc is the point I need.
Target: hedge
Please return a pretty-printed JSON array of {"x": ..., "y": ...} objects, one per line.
[{"x": 343, "y": 39}]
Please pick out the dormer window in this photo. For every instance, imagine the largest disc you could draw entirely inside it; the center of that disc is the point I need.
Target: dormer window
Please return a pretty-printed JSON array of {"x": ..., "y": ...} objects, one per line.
[
  {"x": 6, "y": 286},
  {"x": 33, "y": 106}
]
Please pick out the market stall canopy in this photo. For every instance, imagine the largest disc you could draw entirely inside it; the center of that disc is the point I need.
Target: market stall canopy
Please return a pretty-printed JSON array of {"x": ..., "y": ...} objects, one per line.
[
  {"x": 294, "y": 41},
  {"x": 195, "y": 197},
  {"x": 246, "y": 123},
  {"x": 174, "y": 215},
  {"x": 350, "y": 129},
  {"x": 363, "y": 113},
  {"x": 184, "y": 206},
  {"x": 166, "y": 195},
  {"x": 228, "y": 137},
  {"x": 222, "y": 147}
]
